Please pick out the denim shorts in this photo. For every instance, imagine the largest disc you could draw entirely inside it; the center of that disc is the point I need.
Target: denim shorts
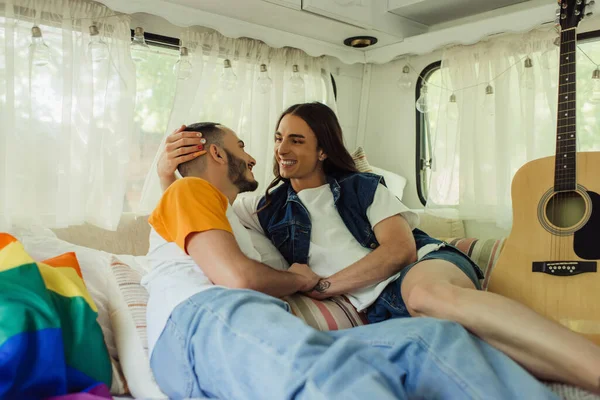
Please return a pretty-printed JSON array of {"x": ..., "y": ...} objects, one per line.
[{"x": 390, "y": 304}]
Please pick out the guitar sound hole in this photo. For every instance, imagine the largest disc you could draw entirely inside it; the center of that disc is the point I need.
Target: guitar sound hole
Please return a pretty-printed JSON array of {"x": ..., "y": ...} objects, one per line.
[{"x": 565, "y": 209}]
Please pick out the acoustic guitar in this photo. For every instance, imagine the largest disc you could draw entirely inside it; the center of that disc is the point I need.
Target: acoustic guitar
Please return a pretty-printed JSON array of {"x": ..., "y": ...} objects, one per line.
[{"x": 550, "y": 259}]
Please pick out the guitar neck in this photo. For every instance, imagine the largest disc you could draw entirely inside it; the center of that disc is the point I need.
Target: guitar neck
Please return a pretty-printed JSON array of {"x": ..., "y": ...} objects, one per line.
[{"x": 565, "y": 167}]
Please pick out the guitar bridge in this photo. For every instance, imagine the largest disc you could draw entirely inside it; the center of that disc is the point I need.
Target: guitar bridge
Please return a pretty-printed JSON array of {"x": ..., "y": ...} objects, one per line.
[{"x": 564, "y": 268}]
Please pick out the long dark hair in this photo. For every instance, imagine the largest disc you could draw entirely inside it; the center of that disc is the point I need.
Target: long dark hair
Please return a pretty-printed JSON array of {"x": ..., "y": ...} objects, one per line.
[{"x": 324, "y": 123}]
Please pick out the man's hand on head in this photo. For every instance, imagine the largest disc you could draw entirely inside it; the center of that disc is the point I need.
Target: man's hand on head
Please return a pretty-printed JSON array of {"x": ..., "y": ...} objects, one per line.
[{"x": 180, "y": 146}]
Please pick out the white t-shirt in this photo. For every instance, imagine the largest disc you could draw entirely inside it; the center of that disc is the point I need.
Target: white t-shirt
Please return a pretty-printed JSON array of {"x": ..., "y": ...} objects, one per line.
[
  {"x": 175, "y": 277},
  {"x": 332, "y": 245}
]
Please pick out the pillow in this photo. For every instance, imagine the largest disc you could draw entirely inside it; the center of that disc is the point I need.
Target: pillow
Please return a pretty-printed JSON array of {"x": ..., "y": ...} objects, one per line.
[
  {"x": 56, "y": 329},
  {"x": 332, "y": 314},
  {"x": 394, "y": 182},
  {"x": 269, "y": 254},
  {"x": 128, "y": 317},
  {"x": 360, "y": 160},
  {"x": 94, "y": 266},
  {"x": 485, "y": 253}
]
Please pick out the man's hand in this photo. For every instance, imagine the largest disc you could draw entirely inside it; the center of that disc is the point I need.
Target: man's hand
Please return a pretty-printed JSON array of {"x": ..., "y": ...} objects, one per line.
[
  {"x": 311, "y": 278},
  {"x": 180, "y": 147},
  {"x": 319, "y": 291}
]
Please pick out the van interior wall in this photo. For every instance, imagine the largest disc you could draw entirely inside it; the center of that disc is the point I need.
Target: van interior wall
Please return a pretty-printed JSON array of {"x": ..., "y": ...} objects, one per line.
[{"x": 379, "y": 116}]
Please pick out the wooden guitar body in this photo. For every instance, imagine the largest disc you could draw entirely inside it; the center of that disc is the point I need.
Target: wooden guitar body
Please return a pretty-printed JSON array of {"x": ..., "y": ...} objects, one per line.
[{"x": 551, "y": 258}]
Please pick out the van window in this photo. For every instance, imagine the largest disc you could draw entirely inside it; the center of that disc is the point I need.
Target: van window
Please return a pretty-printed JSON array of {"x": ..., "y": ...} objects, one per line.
[
  {"x": 431, "y": 77},
  {"x": 588, "y": 105}
]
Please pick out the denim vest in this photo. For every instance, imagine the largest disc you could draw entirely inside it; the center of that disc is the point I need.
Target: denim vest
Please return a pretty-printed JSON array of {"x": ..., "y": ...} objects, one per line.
[{"x": 287, "y": 222}]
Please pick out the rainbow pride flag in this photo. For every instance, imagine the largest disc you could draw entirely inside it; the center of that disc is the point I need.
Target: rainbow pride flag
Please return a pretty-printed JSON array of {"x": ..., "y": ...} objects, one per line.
[{"x": 50, "y": 343}]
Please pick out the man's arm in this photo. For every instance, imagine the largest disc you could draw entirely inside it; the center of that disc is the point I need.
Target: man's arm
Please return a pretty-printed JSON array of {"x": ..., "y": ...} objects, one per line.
[
  {"x": 180, "y": 146},
  {"x": 397, "y": 249},
  {"x": 221, "y": 259}
]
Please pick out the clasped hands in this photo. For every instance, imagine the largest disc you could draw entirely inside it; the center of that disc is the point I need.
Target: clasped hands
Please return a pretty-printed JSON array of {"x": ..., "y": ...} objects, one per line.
[{"x": 317, "y": 287}]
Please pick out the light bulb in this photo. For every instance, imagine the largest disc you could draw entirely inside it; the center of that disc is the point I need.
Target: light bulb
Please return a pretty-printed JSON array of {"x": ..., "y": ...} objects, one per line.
[
  {"x": 595, "y": 97},
  {"x": 97, "y": 47},
  {"x": 452, "y": 108},
  {"x": 138, "y": 45},
  {"x": 405, "y": 82},
  {"x": 228, "y": 77},
  {"x": 423, "y": 101},
  {"x": 528, "y": 78},
  {"x": 38, "y": 49},
  {"x": 296, "y": 81},
  {"x": 489, "y": 104},
  {"x": 264, "y": 83},
  {"x": 183, "y": 67}
]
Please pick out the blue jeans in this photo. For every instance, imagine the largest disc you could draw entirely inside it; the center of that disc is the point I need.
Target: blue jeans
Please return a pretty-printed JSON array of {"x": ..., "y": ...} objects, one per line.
[{"x": 241, "y": 344}]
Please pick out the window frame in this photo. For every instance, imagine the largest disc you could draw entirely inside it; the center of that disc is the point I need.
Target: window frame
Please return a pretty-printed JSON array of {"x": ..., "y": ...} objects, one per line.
[{"x": 420, "y": 127}]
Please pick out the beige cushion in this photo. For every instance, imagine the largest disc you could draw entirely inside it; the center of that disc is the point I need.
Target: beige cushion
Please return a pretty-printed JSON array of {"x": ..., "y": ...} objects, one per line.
[
  {"x": 439, "y": 227},
  {"x": 131, "y": 236}
]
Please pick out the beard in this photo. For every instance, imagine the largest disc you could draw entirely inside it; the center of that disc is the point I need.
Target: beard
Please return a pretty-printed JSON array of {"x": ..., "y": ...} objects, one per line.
[{"x": 236, "y": 172}]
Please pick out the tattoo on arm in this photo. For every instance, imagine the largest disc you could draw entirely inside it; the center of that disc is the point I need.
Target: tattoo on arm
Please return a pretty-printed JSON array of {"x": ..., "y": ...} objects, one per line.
[{"x": 322, "y": 286}]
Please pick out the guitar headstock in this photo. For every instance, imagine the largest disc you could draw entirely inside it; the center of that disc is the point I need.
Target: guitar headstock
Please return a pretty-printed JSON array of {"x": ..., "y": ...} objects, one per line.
[{"x": 571, "y": 12}]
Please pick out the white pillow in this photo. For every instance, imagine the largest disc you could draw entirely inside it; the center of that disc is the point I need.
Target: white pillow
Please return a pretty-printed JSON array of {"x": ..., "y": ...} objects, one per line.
[
  {"x": 268, "y": 252},
  {"x": 394, "y": 182}
]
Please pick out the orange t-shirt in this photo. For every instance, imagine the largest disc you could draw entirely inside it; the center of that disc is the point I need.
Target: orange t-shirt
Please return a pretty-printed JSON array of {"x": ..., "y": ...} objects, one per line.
[{"x": 188, "y": 206}]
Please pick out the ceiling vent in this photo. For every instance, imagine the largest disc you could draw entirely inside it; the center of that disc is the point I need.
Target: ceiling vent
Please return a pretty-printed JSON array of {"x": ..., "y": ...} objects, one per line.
[{"x": 359, "y": 42}]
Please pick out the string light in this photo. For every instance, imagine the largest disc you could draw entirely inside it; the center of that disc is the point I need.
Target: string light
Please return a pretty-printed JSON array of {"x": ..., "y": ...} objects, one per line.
[
  {"x": 528, "y": 78},
  {"x": 296, "y": 81},
  {"x": 489, "y": 103},
  {"x": 557, "y": 42},
  {"x": 595, "y": 98},
  {"x": 97, "y": 47},
  {"x": 595, "y": 90},
  {"x": 405, "y": 82},
  {"x": 452, "y": 108},
  {"x": 183, "y": 67},
  {"x": 138, "y": 46},
  {"x": 228, "y": 77},
  {"x": 422, "y": 103},
  {"x": 38, "y": 49},
  {"x": 264, "y": 82}
]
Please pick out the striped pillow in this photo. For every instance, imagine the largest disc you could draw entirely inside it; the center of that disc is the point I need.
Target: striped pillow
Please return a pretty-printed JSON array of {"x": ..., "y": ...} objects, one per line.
[
  {"x": 360, "y": 160},
  {"x": 128, "y": 317},
  {"x": 485, "y": 253},
  {"x": 332, "y": 314}
]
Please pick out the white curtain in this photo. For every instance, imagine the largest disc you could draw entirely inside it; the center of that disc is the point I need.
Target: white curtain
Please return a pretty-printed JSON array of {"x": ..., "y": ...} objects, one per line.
[
  {"x": 480, "y": 144},
  {"x": 65, "y": 126},
  {"x": 245, "y": 109}
]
